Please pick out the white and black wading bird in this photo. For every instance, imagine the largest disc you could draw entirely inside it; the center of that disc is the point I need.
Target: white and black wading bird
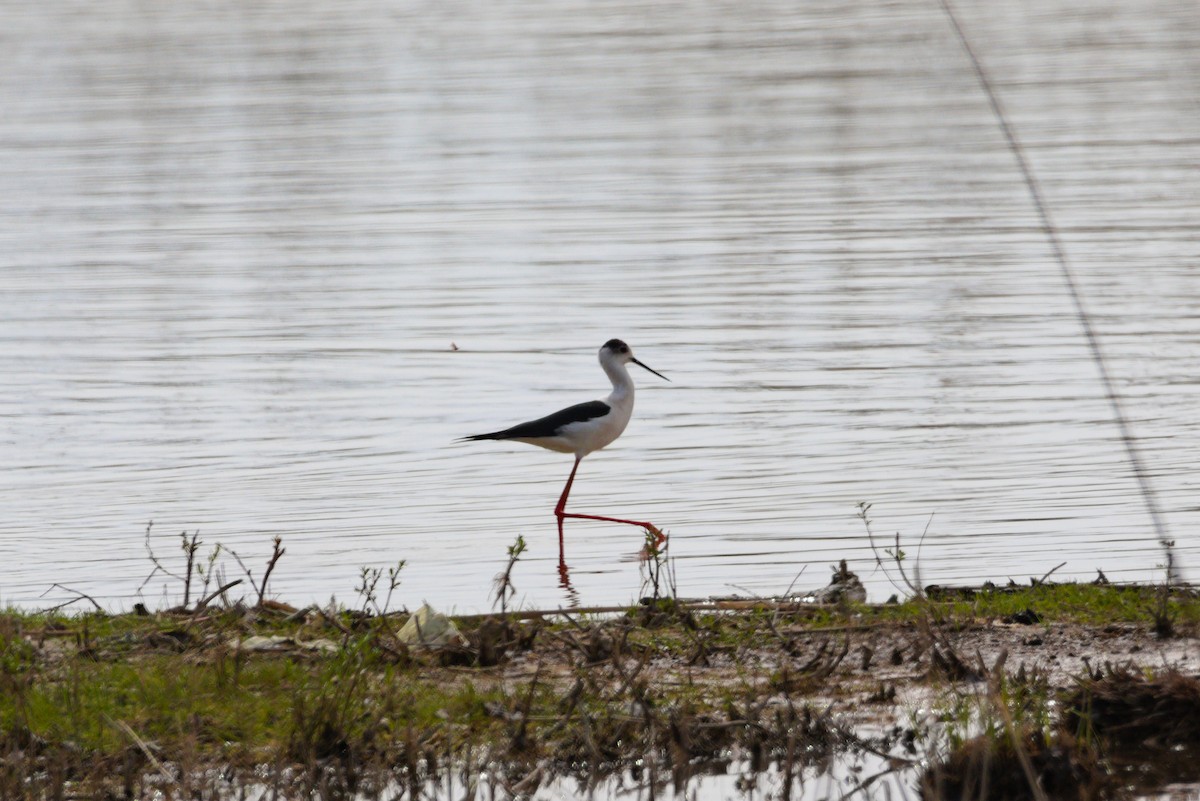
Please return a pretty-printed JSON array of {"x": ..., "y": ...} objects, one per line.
[{"x": 586, "y": 427}]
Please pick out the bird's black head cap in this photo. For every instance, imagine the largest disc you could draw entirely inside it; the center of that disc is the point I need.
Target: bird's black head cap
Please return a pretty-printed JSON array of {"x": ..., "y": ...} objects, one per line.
[{"x": 616, "y": 346}]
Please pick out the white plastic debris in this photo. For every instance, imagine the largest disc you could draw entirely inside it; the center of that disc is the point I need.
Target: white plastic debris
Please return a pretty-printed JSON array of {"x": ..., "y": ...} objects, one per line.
[
  {"x": 278, "y": 644},
  {"x": 430, "y": 628}
]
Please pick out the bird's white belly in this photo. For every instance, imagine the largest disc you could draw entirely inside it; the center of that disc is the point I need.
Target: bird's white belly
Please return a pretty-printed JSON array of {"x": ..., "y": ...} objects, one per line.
[
  {"x": 558, "y": 444},
  {"x": 595, "y": 434}
]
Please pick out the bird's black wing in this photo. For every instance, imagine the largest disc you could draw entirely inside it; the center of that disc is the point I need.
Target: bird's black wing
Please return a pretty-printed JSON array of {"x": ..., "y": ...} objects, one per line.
[{"x": 551, "y": 424}]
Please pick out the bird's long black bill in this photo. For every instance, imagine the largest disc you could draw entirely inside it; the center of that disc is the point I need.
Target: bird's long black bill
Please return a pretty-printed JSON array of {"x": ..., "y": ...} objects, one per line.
[{"x": 644, "y": 367}]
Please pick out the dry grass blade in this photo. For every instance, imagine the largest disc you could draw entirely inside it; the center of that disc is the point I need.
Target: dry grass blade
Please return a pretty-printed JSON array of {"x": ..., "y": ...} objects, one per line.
[{"x": 142, "y": 746}]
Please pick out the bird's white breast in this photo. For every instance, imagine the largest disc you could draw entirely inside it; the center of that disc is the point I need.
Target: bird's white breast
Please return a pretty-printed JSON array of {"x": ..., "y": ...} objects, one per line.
[{"x": 599, "y": 432}]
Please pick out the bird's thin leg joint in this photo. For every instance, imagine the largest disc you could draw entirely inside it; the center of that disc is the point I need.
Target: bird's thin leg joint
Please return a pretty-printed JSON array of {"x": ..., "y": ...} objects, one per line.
[
  {"x": 561, "y": 513},
  {"x": 562, "y": 501}
]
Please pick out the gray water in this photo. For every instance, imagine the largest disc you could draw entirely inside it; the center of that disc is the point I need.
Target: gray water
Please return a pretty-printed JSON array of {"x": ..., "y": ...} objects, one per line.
[{"x": 241, "y": 242}]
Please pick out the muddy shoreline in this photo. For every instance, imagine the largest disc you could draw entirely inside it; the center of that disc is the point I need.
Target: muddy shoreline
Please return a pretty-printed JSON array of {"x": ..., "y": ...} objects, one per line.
[{"x": 939, "y": 694}]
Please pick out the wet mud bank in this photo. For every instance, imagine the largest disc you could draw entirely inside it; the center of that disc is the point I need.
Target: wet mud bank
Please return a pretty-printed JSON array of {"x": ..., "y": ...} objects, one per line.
[{"x": 1051, "y": 691}]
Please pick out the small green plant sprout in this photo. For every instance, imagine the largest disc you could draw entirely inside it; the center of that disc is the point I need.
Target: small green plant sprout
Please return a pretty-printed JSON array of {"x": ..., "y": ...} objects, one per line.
[
  {"x": 896, "y": 555},
  {"x": 504, "y": 587},
  {"x": 368, "y": 587},
  {"x": 277, "y": 551},
  {"x": 1164, "y": 616},
  {"x": 659, "y": 573},
  {"x": 193, "y": 565},
  {"x": 208, "y": 570}
]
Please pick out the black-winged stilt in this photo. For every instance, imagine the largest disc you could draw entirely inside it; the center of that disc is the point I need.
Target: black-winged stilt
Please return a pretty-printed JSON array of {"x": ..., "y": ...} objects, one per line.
[{"x": 586, "y": 427}]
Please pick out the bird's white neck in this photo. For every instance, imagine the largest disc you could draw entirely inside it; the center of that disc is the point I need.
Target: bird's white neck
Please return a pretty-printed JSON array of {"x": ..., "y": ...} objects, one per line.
[{"x": 621, "y": 380}]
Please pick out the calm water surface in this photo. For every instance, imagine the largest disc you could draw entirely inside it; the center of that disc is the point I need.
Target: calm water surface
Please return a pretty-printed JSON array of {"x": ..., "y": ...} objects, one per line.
[{"x": 240, "y": 243}]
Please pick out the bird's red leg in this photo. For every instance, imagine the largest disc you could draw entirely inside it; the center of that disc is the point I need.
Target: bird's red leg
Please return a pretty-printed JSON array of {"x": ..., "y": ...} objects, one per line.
[
  {"x": 659, "y": 537},
  {"x": 562, "y": 504},
  {"x": 560, "y": 512}
]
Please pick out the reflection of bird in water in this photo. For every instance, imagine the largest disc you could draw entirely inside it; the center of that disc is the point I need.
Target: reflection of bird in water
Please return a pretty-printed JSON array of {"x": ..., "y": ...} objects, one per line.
[{"x": 584, "y": 428}]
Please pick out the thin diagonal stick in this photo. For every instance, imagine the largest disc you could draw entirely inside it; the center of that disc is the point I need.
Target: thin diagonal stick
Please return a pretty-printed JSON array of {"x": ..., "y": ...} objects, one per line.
[{"x": 1035, "y": 193}]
